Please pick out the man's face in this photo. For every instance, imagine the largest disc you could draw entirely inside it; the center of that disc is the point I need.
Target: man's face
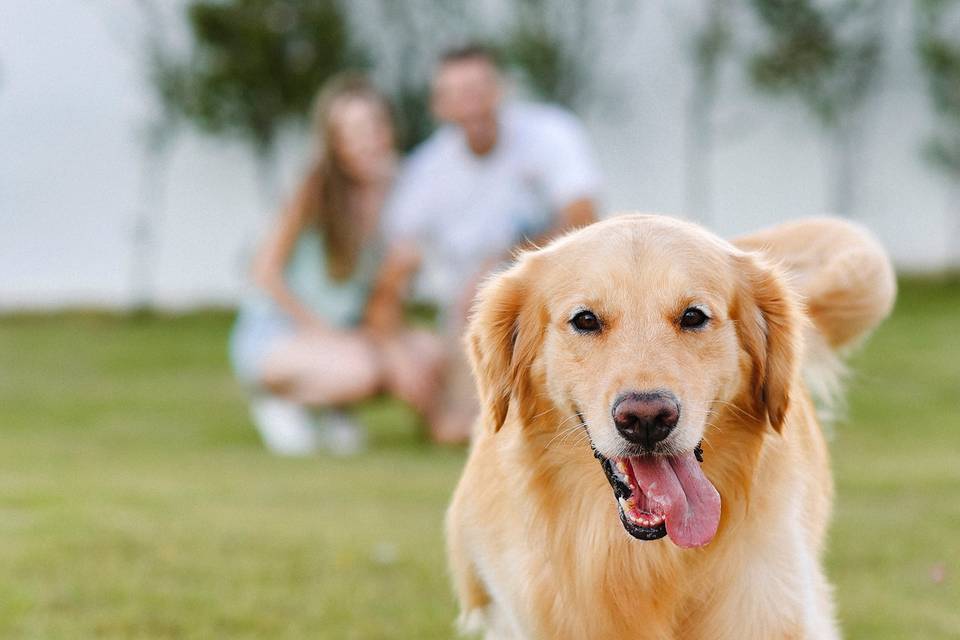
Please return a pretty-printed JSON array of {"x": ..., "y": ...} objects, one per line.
[{"x": 466, "y": 93}]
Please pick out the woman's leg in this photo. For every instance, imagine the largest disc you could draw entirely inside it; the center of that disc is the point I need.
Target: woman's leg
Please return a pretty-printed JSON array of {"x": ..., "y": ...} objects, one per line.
[
  {"x": 459, "y": 405},
  {"x": 458, "y": 402},
  {"x": 322, "y": 370}
]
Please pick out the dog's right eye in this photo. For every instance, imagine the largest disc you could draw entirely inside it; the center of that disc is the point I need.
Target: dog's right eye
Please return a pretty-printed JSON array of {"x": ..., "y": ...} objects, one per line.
[
  {"x": 585, "y": 322},
  {"x": 693, "y": 318}
]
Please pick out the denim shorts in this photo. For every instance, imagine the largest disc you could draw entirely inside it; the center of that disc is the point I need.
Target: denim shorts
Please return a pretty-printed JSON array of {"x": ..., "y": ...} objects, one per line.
[{"x": 254, "y": 336}]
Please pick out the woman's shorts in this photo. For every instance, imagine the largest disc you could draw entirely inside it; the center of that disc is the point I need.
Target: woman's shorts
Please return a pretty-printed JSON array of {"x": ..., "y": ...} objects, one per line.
[{"x": 253, "y": 337}]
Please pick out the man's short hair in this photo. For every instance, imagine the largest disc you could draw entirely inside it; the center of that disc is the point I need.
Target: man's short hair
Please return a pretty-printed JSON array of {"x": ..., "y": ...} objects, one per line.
[{"x": 470, "y": 51}]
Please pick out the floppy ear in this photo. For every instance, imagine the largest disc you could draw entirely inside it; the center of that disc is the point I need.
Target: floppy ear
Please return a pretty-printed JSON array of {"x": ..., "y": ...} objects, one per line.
[
  {"x": 503, "y": 338},
  {"x": 768, "y": 321}
]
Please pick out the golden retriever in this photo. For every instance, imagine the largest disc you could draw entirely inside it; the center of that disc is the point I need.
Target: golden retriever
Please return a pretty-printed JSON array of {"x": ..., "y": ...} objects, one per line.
[{"x": 648, "y": 462}]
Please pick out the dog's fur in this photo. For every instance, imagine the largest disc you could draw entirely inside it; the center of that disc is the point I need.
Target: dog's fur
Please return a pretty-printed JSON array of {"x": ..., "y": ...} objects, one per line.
[{"x": 535, "y": 545}]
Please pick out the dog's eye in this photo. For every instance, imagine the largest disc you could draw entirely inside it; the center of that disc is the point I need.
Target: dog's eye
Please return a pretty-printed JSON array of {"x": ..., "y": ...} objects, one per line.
[
  {"x": 693, "y": 318},
  {"x": 585, "y": 322}
]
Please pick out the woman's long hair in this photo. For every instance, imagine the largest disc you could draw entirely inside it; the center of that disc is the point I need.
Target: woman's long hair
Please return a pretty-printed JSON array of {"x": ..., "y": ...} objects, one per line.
[{"x": 328, "y": 185}]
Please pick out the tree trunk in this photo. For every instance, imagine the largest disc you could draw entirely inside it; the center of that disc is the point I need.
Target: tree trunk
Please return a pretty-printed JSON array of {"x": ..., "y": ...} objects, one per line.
[
  {"x": 268, "y": 188},
  {"x": 843, "y": 146},
  {"x": 698, "y": 152},
  {"x": 710, "y": 47},
  {"x": 155, "y": 165},
  {"x": 953, "y": 224}
]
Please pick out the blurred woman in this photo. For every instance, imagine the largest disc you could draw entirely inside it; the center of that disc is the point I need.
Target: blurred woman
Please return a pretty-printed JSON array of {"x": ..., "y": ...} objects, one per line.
[{"x": 322, "y": 330}]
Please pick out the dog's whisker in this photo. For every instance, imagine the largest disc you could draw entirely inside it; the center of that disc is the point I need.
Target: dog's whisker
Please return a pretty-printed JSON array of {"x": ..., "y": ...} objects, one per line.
[
  {"x": 561, "y": 424},
  {"x": 563, "y": 431},
  {"x": 706, "y": 441},
  {"x": 562, "y": 435},
  {"x": 543, "y": 413},
  {"x": 566, "y": 439},
  {"x": 714, "y": 427},
  {"x": 584, "y": 438},
  {"x": 733, "y": 406}
]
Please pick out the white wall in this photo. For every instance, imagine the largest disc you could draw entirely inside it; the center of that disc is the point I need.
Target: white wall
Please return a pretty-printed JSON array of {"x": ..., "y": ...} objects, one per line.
[
  {"x": 73, "y": 110},
  {"x": 73, "y": 104},
  {"x": 770, "y": 161}
]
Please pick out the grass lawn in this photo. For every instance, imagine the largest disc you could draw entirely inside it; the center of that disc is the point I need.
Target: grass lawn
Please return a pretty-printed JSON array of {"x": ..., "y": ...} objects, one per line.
[{"x": 136, "y": 501}]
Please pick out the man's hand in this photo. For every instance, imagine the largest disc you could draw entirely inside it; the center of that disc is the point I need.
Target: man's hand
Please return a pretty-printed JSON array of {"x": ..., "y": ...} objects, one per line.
[{"x": 578, "y": 213}]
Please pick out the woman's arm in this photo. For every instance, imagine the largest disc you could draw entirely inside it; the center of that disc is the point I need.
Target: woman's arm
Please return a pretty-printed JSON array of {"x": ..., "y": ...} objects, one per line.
[
  {"x": 384, "y": 314},
  {"x": 272, "y": 258}
]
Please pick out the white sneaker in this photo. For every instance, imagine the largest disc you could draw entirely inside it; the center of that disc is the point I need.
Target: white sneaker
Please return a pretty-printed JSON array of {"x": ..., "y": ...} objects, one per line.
[
  {"x": 286, "y": 427},
  {"x": 342, "y": 436}
]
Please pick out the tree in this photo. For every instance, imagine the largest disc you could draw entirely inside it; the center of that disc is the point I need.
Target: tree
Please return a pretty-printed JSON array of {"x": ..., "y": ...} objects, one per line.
[
  {"x": 552, "y": 45},
  {"x": 254, "y": 66},
  {"x": 828, "y": 55},
  {"x": 938, "y": 46},
  {"x": 402, "y": 41},
  {"x": 143, "y": 31},
  {"x": 557, "y": 47}
]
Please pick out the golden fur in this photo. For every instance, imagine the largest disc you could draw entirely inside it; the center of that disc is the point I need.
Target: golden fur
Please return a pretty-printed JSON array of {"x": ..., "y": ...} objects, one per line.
[{"x": 535, "y": 545}]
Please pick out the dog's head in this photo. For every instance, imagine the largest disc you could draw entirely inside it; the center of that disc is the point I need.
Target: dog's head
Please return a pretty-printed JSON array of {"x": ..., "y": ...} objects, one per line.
[{"x": 644, "y": 330}]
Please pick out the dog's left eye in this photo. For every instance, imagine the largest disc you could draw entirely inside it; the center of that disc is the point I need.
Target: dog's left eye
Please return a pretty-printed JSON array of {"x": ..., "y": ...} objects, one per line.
[
  {"x": 585, "y": 322},
  {"x": 693, "y": 318}
]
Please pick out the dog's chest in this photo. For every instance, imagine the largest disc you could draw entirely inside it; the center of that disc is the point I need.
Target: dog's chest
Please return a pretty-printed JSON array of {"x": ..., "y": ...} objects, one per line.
[{"x": 582, "y": 587}]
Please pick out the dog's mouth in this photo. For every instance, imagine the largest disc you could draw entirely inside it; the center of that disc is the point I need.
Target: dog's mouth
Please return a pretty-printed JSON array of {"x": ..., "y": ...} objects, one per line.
[{"x": 662, "y": 495}]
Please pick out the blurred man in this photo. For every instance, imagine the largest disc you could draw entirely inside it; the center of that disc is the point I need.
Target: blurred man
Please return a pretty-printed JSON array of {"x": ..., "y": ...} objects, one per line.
[{"x": 497, "y": 174}]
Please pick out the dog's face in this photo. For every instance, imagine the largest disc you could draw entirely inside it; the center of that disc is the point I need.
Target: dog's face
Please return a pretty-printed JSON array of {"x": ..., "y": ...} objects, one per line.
[{"x": 644, "y": 328}]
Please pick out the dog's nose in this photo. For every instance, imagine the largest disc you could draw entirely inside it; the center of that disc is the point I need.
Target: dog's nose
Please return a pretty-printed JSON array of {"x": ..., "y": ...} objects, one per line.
[{"x": 646, "y": 418}]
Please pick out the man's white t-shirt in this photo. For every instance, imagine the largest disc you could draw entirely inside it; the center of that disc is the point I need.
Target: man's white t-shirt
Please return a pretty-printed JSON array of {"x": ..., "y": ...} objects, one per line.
[{"x": 462, "y": 209}]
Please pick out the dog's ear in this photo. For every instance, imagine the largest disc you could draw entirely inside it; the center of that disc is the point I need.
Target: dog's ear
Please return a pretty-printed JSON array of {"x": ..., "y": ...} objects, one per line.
[
  {"x": 502, "y": 339},
  {"x": 769, "y": 324}
]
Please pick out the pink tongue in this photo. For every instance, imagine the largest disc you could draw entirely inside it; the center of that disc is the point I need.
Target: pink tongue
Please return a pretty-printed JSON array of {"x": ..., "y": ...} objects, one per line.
[{"x": 690, "y": 504}]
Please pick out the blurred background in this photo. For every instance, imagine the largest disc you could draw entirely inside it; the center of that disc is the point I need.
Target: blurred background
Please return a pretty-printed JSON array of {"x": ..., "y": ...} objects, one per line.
[{"x": 145, "y": 146}]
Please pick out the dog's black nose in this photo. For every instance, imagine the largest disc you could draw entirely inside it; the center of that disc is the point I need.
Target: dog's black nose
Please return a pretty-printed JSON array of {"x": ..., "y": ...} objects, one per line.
[{"x": 646, "y": 418}]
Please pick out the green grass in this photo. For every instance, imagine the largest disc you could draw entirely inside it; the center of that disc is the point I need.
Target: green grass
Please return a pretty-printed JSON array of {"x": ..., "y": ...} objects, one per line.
[
  {"x": 136, "y": 501},
  {"x": 897, "y": 464}
]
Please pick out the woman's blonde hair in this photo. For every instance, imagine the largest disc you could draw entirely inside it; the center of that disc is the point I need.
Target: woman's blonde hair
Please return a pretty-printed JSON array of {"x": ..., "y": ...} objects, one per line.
[{"x": 327, "y": 184}]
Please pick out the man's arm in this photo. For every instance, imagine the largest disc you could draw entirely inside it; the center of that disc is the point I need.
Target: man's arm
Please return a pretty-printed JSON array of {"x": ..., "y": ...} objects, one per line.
[
  {"x": 578, "y": 213},
  {"x": 570, "y": 173}
]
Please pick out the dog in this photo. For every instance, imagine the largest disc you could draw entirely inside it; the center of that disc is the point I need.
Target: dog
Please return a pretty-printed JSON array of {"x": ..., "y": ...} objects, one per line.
[{"x": 648, "y": 462}]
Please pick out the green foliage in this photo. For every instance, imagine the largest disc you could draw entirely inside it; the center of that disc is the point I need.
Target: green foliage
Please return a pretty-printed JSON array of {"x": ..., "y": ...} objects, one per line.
[
  {"x": 537, "y": 55},
  {"x": 713, "y": 40},
  {"x": 556, "y": 46},
  {"x": 938, "y": 46},
  {"x": 411, "y": 103},
  {"x": 254, "y": 64},
  {"x": 826, "y": 54},
  {"x": 403, "y": 39}
]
